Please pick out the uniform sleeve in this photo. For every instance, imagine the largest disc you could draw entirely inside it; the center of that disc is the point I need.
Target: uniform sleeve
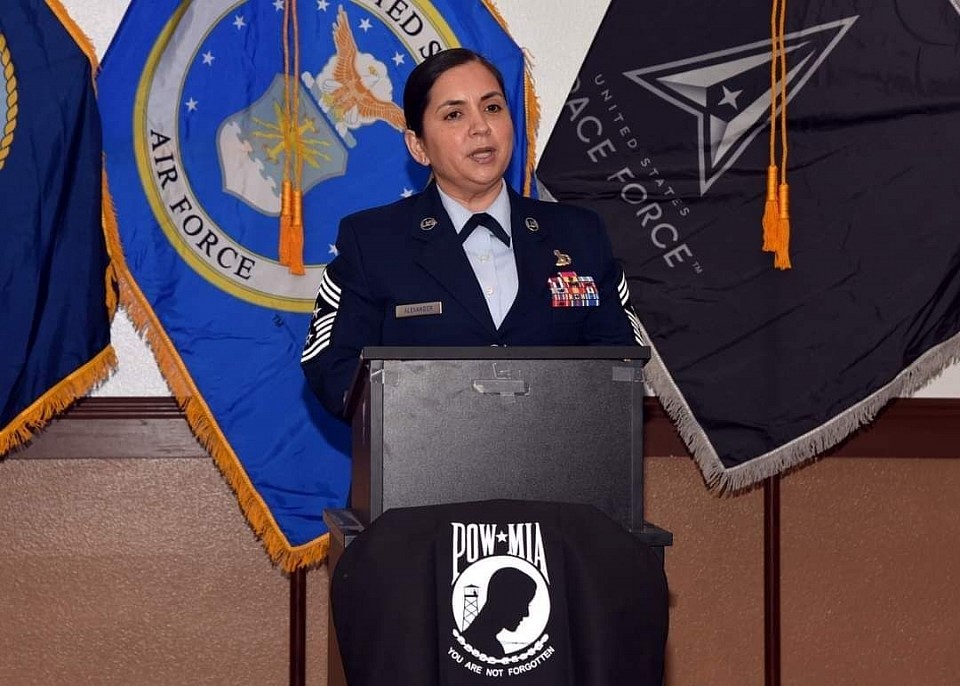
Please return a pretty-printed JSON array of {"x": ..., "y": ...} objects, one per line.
[
  {"x": 346, "y": 318},
  {"x": 615, "y": 321}
]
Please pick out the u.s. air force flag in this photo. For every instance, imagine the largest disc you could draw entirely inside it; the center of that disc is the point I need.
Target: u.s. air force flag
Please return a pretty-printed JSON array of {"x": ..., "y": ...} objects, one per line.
[
  {"x": 54, "y": 314},
  {"x": 666, "y": 134},
  {"x": 239, "y": 132}
]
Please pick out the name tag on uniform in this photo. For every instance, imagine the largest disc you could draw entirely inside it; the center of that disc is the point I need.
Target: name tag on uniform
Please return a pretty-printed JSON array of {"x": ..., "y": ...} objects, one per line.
[{"x": 419, "y": 309}]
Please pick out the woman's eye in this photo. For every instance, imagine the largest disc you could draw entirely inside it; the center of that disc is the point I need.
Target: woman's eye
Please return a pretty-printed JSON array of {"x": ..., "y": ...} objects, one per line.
[
  {"x": 455, "y": 114},
  {"x": 494, "y": 107}
]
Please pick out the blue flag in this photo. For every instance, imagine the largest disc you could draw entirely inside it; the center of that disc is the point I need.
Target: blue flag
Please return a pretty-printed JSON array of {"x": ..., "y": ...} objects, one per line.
[
  {"x": 54, "y": 315},
  {"x": 238, "y": 133}
]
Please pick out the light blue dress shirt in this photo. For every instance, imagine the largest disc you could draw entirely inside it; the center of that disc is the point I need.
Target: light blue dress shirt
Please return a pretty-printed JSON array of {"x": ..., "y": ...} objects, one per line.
[{"x": 493, "y": 262}]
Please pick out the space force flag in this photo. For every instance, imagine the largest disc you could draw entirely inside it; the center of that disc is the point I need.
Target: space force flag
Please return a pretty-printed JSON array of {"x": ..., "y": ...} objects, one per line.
[
  {"x": 238, "y": 133},
  {"x": 666, "y": 134},
  {"x": 54, "y": 313}
]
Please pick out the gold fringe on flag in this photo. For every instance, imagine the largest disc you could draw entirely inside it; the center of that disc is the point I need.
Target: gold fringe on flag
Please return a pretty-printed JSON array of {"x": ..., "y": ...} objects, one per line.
[
  {"x": 198, "y": 414},
  {"x": 531, "y": 105},
  {"x": 57, "y": 399},
  {"x": 201, "y": 420},
  {"x": 88, "y": 376},
  {"x": 79, "y": 37}
]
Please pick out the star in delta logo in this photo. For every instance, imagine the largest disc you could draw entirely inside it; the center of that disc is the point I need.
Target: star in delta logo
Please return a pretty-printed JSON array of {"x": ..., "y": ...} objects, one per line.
[
  {"x": 728, "y": 92},
  {"x": 500, "y": 598},
  {"x": 241, "y": 99},
  {"x": 8, "y": 100}
]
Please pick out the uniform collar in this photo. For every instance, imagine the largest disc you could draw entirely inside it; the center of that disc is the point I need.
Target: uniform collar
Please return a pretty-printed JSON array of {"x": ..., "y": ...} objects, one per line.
[{"x": 499, "y": 209}]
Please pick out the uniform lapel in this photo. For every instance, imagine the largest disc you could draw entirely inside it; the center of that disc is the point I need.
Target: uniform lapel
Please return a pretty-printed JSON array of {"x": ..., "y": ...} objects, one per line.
[
  {"x": 533, "y": 256},
  {"x": 441, "y": 256}
]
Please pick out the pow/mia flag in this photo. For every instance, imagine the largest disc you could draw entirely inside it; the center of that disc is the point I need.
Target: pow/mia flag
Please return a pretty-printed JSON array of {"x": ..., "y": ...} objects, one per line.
[
  {"x": 499, "y": 592},
  {"x": 665, "y": 133},
  {"x": 237, "y": 134}
]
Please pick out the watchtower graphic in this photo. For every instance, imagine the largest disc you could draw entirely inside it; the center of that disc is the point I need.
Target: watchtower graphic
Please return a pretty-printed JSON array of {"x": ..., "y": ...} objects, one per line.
[{"x": 471, "y": 604}]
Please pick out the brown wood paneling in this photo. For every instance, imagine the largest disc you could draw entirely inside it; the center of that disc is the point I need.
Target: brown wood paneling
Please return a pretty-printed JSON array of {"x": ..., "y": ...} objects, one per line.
[
  {"x": 870, "y": 564},
  {"x": 132, "y": 571},
  {"x": 129, "y": 428},
  {"x": 905, "y": 428},
  {"x": 715, "y": 572},
  {"x": 94, "y": 559}
]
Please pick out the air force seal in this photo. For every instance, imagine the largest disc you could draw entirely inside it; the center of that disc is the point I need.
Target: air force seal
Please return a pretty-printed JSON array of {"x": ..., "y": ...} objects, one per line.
[{"x": 249, "y": 154}]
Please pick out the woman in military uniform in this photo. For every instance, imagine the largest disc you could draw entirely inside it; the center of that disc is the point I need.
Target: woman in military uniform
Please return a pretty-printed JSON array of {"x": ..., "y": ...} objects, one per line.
[{"x": 467, "y": 261}]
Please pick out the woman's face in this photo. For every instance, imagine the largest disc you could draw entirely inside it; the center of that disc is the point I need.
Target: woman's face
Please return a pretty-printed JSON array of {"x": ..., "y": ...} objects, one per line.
[{"x": 467, "y": 135}]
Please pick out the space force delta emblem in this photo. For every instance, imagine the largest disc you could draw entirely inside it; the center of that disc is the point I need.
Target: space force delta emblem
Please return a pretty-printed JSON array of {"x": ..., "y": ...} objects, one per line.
[{"x": 502, "y": 608}]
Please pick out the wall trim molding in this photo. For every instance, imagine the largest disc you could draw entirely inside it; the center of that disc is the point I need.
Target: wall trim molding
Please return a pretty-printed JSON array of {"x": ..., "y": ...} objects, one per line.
[
  {"x": 905, "y": 428},
  {"x": 155, "y": 427}
]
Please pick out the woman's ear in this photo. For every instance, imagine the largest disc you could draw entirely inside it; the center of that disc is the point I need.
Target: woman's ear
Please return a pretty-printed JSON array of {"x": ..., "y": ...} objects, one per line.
[{"x": 415, "y": 146}]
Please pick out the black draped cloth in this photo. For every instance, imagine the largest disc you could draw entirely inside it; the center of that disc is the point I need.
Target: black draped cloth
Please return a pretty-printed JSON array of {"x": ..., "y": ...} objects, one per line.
[{"x": 500, "y": 592}]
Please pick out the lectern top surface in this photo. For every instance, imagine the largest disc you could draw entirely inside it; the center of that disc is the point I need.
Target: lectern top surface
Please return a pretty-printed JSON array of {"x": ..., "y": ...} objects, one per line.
[{"x": 570, "y": 352}]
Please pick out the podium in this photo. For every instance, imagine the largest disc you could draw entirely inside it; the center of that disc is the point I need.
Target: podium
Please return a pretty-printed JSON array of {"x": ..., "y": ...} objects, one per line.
[{"x": 436, "y": 425}]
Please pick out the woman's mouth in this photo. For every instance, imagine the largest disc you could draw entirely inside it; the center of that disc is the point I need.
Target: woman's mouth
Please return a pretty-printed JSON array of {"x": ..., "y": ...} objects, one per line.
[{"x": 483, "y": 155}]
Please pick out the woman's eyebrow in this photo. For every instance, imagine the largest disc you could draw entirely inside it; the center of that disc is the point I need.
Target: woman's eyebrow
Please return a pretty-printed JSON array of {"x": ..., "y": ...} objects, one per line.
[{"x": 459, "y": 102}]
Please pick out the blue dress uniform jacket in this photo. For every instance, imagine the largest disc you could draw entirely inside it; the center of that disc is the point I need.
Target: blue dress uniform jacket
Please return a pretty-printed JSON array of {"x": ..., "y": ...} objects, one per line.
[{"x": 409, "y": 254}]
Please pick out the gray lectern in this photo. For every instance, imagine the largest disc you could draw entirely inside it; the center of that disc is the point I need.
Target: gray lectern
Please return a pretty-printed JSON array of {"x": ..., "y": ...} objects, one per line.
[{"x": 441, "y": 425}]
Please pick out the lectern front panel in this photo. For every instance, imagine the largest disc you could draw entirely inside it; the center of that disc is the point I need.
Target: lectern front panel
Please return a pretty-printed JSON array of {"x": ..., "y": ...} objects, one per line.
[{"x": 443, "y": 431}]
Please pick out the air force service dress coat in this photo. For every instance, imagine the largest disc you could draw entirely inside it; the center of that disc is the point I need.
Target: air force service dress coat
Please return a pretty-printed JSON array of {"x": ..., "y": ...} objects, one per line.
[{"x": 401, "y": 278}]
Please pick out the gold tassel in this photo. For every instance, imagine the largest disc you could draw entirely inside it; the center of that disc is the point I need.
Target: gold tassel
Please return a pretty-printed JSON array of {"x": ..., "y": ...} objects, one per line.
[
  {"x": 291, "y": 194},
  {"x": 771, "y": 211},
  {"x": 782, "y": 254},
  {"x": 286, "y": 221},
  {"x": 295, "y": 236}
]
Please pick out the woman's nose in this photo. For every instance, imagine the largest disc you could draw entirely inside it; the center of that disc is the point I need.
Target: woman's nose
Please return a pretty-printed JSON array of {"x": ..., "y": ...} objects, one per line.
[{"x": 479, "y": 124}]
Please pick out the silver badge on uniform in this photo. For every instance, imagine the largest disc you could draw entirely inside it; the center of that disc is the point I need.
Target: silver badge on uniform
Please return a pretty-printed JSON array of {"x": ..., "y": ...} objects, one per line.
[
  {"x": 428, "y": 223},
  {"x": 532, "y": 224}
]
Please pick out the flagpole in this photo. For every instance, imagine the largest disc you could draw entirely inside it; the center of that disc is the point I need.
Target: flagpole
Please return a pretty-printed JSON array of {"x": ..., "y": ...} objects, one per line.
[
  {"x": 771, "y": 581},
  {"x": 298, "y": 627}
]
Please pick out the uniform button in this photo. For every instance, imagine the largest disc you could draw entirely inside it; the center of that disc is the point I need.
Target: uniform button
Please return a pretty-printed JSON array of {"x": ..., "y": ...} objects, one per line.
[{"x": 490, "y": 291}]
